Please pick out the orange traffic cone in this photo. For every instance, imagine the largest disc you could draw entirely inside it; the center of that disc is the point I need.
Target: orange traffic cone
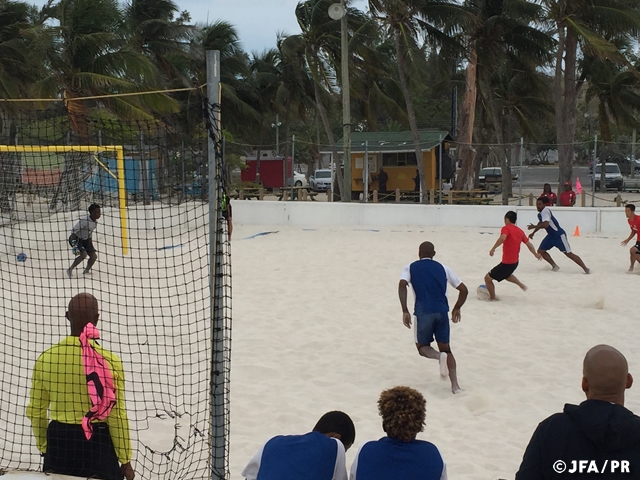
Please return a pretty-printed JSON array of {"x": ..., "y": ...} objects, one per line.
[{"x": 577, "y": 232}]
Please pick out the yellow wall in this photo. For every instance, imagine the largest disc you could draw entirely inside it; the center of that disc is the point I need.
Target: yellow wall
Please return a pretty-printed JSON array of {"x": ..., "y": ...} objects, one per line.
[{"x": 399, "y": 177}]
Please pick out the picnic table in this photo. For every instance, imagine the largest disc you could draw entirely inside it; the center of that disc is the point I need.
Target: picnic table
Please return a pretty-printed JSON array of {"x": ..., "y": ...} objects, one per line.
[
  {"x": 467, "y": 197},
  {"x": 297, "y": 193}
]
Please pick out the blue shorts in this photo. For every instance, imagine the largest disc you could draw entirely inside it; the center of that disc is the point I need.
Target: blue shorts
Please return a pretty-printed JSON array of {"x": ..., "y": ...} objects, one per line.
[
  {"x": 429, "y": 325},
  {"x": 558, "y": 241}
]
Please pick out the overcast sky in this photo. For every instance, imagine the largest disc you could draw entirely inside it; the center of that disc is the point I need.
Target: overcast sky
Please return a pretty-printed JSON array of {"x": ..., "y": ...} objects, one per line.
[{"x": 257, "y": 21}]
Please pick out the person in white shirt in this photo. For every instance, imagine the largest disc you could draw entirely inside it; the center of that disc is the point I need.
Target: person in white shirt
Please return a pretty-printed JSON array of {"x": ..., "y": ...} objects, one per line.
[
  {"x": 81, "y": 237},
  {"x": 318, "y": 455}
]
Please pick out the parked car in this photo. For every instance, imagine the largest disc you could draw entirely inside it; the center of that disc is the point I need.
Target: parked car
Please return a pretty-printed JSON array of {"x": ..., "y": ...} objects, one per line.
[
  {"x": 493, "y": 176},
  {"x": 612, "y": 176},
  {"x": 320, "y": 181},
  {"x": 299, "y": 180}
]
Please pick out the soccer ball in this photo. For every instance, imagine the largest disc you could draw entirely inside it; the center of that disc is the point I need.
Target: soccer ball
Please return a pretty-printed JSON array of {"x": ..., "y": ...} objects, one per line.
[
  {"x": 483, "y": 293},
  {"x": 21, "y": 257}
]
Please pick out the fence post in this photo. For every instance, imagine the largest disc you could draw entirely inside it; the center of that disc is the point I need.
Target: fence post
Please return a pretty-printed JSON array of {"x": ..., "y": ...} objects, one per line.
[
  {"x": 619, "y": 200},
  {"x": 432, "y": 196},
  {"x": 531, "y": 199},
  {"x": 241, "y": 194},
  {"x": 583, "y": 199},
  {"x": 329, "y": 196},
  {"x": 450, "y": 194},
  {"x": 261, "y": 193},
  {"x": 375, "y": 196},
  {"x": 304, "y": 195},
  {"x": 397, "y": 195}
]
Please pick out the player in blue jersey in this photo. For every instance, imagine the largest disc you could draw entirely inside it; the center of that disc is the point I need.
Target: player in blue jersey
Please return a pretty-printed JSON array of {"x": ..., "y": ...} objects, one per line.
[
  {"x": 556, "y": 236},
  {"x": 400, "y": 455},
  {"x": 429, "y": 281},
  {"x": 318, "y": 455}
]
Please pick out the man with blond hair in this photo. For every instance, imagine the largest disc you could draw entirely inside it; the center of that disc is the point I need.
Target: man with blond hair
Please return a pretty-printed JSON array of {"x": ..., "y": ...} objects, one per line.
[
  {"x": 600, "y": 431},
  {"x": 400, "y": 455}
]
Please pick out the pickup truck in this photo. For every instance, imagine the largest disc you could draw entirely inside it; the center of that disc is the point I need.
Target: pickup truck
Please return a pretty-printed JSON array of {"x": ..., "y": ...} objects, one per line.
[{"x": 490, "y": 178}]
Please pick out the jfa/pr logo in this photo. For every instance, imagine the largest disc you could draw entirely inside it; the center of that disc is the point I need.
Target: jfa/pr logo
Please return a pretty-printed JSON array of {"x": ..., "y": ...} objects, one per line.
[{"x": 591, "y": 466}]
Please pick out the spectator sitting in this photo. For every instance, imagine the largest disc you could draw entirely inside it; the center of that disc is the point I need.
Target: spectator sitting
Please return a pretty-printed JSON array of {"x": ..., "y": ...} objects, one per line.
[
  {"x": 318, "y": 455},
  {"x": 568, "y": 196},
  {"x": 599, "y": 429},
  {"x": 399, "y": 455},
  {"x": 547, "y": 193}
]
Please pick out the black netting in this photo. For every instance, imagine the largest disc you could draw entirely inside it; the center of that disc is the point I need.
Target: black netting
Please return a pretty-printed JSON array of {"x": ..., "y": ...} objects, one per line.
[{"x": 159, "y": 313}]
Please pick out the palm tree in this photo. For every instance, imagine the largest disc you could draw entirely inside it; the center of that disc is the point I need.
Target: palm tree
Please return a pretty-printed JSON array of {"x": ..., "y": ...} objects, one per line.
[
  {"x": 407, "y": 21},
  {"x": 87, "y": 55},
  {"x": 586, "y": 26},
  {"x": 319, "y": 46},
  {"x": 500, "y": 38}
]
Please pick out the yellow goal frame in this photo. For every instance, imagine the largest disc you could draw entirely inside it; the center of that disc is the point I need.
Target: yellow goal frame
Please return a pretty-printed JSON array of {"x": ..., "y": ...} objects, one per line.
[{"x": 120, "y": 177}]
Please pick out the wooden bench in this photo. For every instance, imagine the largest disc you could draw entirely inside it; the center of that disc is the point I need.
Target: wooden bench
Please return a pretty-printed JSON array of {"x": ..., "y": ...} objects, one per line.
[
  {"x": 248, "y": 193},
  {"x": 467, "y": 197}
]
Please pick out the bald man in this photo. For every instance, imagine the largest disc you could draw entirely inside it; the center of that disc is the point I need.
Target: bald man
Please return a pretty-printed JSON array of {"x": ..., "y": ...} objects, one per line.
[
  {"x": 600, "y": 431},
  {"x": 429, "y": 280},
  {"x": 59, "y": 386}
]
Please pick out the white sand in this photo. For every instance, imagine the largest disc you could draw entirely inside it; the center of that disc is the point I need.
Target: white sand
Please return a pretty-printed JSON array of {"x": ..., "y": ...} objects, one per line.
[{"x": 317, "y": 326}]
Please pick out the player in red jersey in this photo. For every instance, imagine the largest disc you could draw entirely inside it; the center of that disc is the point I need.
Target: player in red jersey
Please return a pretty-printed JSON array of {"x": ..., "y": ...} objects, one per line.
[
  {"x": 634, "y": 223},
  {"x": 511, "y": 237}
]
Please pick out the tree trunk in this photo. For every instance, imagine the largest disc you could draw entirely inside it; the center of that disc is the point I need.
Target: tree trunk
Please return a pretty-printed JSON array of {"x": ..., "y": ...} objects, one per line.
[
  {"x": 498, "y": 126},
  {"x": 466, "y": 178},
  {"x": 566, "y": 127},
  {"x": 411, "y": 114},
  {"x": 337, "y": 184}
]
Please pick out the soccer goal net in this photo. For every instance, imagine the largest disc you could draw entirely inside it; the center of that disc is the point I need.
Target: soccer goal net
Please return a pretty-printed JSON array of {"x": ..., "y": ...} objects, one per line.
[{"x": 158, "y": 262}]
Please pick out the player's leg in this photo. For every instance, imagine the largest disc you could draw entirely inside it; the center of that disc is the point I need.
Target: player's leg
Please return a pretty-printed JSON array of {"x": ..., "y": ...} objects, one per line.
[
  {"x": 546, "y": 245},
  {"x": 564, "y": 247},
  {"x": 93, "y": 256},
  {"x": 443, "y": 337},
  {"x": 491, "y": 288},
  {"x": 634, "y": 255},
  {"x": 513, "y": 279},
  {"x": 79, "y": 259},
  {"x": 424, "y": 330}
]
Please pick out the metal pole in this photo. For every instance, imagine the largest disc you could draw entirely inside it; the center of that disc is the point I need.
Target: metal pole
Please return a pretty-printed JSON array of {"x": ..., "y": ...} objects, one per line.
[
  {"x": 365, "y": 179},
  {"x": 633, "y": 154},
  {"x": 593, "y": 177},
  {"x": 346, "y": 102},
  {"x": 520, "y": 176},
  {"x": 440, "y": 168},
  {"x": 277, "y": 135},
  {"x": 293, "y": 158},
  {"x": 217, "y": 375}
]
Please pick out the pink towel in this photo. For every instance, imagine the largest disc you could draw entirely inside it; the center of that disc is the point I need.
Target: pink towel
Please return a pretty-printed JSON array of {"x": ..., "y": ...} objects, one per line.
[
  {"x": 578, "y": 186},
  {"x": 102, "y": 390}
]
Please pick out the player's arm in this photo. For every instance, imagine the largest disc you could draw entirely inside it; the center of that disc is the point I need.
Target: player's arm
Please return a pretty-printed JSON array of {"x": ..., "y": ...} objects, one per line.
[
  {"x": 402, "y": 294},
  {"x": 532, "y": 249},
  {"x": 628, "y": 239},
  {"x": 119, "y": 423},
  {"x": 499, "y": 242},
  {"x": 463, "y": 292},
  {"x": 37, "y": 408}
]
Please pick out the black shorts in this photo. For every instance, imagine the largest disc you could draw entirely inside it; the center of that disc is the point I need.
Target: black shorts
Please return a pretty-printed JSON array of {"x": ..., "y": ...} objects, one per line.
[
  {"x": 70, "y": 453},
  {"x": 86, "y": 245},
  {"x": 502, "y": 271},
  {"x": 637, "y": 247}
]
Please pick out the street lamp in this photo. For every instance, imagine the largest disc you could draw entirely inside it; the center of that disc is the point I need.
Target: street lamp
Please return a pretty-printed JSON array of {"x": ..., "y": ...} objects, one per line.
[
  {"x": 338, "y": 11},
  {"x": 277, "y": 127}
]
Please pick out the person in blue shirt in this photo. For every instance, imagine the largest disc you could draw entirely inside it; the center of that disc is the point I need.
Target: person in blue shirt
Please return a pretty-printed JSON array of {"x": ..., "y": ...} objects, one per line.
[
  {"x": 400, "y": 455},
  {"x": 318, "y": 455},
  {"x": 556, "y": 236},
  {"x": 429, "y": 281}
]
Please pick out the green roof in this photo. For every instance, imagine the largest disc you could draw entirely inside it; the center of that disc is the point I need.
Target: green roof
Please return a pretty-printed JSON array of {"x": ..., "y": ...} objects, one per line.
[{"x": 392, "y": 141}]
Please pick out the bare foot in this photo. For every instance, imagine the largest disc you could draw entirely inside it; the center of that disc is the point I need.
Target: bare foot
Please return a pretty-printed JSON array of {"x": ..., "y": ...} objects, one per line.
[
  {"x": 444, "y": 370},
  {"x": 523, "y": 287},
  {"x": 494, "y": 299},
  {"x": 455, "y": 389},
  {"x": 587, "y": 271},
  {"x": 555, "y": 268},
  {"x": 630, "y": 270}
]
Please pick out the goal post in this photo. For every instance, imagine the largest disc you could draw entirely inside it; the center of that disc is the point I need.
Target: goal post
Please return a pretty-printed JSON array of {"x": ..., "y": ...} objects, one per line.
[{"x": 119, "y": 176}]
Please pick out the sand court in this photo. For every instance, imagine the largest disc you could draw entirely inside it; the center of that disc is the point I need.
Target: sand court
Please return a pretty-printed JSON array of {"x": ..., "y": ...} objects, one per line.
[{"x": 318, "y": 326}]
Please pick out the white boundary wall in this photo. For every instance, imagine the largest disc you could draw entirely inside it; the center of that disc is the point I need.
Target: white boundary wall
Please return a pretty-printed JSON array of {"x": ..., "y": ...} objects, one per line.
[{"x": 310, "y": 214}]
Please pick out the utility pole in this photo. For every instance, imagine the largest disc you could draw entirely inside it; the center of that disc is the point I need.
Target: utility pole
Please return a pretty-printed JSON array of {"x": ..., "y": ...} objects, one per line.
[{"x": 346, "y": 102}]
